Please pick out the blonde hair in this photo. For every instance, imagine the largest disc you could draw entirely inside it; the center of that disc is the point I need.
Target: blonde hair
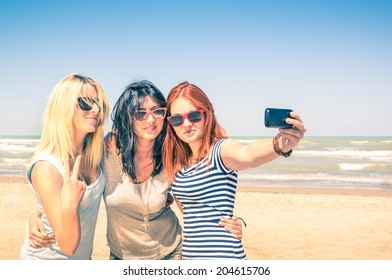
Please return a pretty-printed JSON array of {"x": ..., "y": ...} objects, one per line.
[{"x": 58, "y": 130}]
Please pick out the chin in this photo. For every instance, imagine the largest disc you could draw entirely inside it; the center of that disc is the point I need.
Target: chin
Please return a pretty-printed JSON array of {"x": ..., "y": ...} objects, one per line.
[
  {"x": 187, "y": 140},
  {"x": 151, "y": 136},
  {"x": 91, "y": 130}
]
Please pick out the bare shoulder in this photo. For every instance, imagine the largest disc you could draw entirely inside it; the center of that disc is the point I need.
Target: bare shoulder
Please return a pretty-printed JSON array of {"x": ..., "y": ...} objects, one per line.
[
  {"x": 230, "y": 144},
  {"x": 110, "y": 144},
  {"x": 45, "y": 174}
]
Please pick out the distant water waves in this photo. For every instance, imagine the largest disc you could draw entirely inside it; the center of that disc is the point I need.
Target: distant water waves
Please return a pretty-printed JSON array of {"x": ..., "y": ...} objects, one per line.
[
  {"x": 15, "y": 153},
  {"x": 348, "y": 162}
]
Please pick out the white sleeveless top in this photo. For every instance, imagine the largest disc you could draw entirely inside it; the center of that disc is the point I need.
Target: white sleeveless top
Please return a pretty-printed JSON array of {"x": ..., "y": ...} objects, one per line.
[{"x": 88, "y": 213}]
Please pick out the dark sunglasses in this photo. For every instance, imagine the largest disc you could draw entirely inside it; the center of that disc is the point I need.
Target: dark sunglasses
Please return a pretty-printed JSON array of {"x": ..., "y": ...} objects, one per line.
[
  {"x": 193, "y": 116},
  {"x": 157, "y": 114},
  {"x": 87, "y": 103}
]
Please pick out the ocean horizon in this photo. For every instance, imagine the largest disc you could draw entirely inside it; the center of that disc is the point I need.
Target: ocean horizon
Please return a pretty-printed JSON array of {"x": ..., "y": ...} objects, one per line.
[{"x": 318, "y": 161}]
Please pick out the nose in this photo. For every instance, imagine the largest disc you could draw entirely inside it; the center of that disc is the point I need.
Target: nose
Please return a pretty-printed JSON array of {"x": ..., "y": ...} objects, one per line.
[
  {"x": 95, "y": 108},
  {"x": 150, "y": 117},
  {"x": 187, "y": 122}
]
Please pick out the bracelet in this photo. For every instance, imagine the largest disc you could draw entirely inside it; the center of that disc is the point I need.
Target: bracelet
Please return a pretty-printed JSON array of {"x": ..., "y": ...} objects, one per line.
[
  {"x": 275, "y": 143},
  {"x": 242, "y": 221}
]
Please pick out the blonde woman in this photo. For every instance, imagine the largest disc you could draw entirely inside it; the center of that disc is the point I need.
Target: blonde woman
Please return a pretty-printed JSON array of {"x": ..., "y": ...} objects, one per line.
[{"x": 65, "y": 174}]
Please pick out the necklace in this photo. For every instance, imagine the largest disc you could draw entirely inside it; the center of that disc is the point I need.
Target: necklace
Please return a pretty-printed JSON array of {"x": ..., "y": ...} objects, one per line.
[{"x": 145, "y": 205}]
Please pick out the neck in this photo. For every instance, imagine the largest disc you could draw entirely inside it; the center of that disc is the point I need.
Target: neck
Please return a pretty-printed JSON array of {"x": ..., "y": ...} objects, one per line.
[
  {"x": 144, "y": 149},
  {"x": 195, "y": 146},
  {"x": 79, "y": 143}
]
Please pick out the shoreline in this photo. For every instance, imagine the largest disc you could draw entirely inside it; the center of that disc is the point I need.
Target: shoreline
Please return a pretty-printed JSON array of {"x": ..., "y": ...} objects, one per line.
[
  {"x": 318, "y": 190},
  {"x": 272, "y": 189}
]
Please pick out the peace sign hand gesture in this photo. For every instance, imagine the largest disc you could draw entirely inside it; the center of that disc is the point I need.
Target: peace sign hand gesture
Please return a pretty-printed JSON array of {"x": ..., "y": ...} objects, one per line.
[{"x": 73, "y": 189}]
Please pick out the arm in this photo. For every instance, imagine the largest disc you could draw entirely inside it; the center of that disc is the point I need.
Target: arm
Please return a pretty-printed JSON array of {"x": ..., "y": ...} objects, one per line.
[
  {"x": 60, "y": 199},
  {"x": 179, "y": 206},
  {"x": 240, "y": 156}
]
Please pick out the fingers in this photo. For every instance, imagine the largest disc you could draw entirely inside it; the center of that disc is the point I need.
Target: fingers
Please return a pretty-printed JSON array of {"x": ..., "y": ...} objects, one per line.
[
  {"x": 169, "y": 200},
  {"x": 233, "y": 222},
  {"x": 296, "y": 121},
  {"x": 35, "y": 244},
  {"x": 42, "y": 243},
  {"x": 39, "y": 238},
  {"x": 42, "y": 231},
  {"x": 73, "y": 188},
  {"x": 75, "y": 170},
  {"x": 295, "y": 115},
  {"x": 298, "y": 129},
  {"x": 292, "y": 136},
  {"x": 66, "y": 168},
  {"x": 72, "y": 175},
  {"x": 234, "y": 226}
]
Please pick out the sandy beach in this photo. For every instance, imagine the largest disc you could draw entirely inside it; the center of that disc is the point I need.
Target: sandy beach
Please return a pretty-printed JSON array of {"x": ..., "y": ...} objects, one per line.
[{"x": 282, "y": 223}]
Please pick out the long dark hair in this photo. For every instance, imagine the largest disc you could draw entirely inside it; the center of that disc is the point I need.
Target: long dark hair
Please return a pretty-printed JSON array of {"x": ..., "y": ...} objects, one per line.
[{"x": 123, "y": 125}]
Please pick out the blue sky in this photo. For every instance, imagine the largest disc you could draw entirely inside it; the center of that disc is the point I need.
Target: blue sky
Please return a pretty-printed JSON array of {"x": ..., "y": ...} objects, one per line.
[{"x": 331, "y": 61}]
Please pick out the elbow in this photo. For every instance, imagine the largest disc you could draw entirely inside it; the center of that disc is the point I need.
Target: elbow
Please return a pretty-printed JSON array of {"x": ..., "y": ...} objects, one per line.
[
  {"x": 68, "y": 251},
  {"x": 67, "y": 248}
]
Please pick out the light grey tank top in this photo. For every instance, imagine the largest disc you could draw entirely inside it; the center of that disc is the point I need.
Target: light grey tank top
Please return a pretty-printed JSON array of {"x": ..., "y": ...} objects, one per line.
[{"x": 88, "y": 212}]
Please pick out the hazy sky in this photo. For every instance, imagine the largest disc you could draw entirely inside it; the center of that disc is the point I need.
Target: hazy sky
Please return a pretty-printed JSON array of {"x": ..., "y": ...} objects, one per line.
[{"x": 331, "y": 61}]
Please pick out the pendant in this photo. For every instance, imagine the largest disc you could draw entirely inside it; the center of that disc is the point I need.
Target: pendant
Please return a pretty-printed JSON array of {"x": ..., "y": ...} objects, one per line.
[{"x": 145, "y": 218}]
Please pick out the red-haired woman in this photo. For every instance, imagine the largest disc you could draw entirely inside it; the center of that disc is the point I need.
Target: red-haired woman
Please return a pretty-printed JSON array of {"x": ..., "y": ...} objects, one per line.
[{"x": 204, "y": 164}]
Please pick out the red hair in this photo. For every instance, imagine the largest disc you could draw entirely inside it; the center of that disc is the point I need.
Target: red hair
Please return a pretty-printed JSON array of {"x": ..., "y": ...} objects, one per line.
[{"x": 177, "y": 153}]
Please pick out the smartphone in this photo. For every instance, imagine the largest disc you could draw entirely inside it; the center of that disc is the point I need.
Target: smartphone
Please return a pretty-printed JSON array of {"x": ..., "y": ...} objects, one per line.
[{"x": 275, "y": 117}]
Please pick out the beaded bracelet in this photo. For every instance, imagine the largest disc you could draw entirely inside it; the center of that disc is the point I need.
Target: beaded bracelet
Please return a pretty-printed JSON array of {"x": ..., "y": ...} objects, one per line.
[{"x": 275, "y": 143}]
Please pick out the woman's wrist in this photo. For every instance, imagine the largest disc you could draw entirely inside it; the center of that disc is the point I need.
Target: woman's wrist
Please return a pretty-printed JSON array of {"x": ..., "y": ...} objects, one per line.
[{"x": 275, "y": 143}]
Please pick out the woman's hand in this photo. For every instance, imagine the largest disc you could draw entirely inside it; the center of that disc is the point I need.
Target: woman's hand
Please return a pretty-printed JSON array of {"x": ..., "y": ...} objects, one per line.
[
  {"x": 169, "y": 200},
  {"x": 37, "y": 234},
  {"x": 110, "y": 143},
  {"x": 74, "y": 187},
  {"x": 292, "y": 136},
  {"x": 233, "y": 225}
]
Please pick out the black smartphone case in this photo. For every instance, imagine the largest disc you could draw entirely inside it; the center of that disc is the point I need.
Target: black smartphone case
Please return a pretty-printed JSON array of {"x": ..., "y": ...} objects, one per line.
[{"x": 275, "y": 117}]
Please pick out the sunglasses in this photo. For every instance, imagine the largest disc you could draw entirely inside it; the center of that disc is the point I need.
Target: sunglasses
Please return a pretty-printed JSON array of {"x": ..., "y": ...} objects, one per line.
[
  {"x": 87, "y": 103},
  {"x": 193, "y": 117},
  {"x": 157, "y": 114}
]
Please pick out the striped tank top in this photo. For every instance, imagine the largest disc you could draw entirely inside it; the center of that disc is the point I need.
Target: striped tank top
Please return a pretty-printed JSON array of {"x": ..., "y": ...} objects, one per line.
[{"x": 207, "y": 193}]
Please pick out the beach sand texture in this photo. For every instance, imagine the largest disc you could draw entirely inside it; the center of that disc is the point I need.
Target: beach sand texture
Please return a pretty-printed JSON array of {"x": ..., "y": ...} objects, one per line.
[{"x": 282, "y": 223}]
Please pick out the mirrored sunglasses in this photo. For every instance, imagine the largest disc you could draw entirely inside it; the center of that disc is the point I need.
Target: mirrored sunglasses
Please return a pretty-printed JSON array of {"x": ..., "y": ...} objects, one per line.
[{"x": 87, "y": 103}]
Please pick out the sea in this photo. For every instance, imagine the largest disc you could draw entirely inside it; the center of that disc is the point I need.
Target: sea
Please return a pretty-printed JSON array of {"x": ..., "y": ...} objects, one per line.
[{"x": 333, "y": 162}]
